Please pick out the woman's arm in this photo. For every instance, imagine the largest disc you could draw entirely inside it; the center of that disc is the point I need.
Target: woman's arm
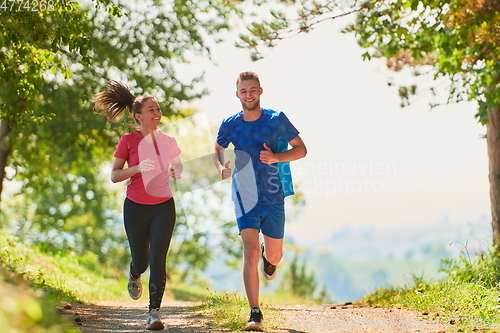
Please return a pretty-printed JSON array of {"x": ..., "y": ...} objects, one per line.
[{"x": 118, "y": 173}]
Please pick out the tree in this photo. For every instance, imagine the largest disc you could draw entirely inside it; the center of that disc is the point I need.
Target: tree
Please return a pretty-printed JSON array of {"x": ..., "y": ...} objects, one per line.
[
  {"x": 455, "y": 40},
  {"x": 31, "y": 43},
  {"x": 54, "y": 144}
]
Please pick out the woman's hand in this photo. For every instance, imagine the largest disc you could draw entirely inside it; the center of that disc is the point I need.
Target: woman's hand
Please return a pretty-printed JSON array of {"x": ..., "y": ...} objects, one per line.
[
  {"x": 175, "y": 172},
  {"x": 146, "y": 165}
]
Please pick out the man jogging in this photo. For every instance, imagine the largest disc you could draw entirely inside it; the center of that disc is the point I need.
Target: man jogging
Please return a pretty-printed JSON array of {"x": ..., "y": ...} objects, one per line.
[{"x": 260, "y": 182}]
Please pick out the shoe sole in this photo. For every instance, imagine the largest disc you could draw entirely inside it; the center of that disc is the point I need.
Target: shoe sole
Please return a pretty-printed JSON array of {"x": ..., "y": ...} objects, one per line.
[
  {"x": 156, "y": 325},
  {"x": 264, "y": 274},
  {"x": 135, "y": 297},
  {"x": 254, "y": 327}
]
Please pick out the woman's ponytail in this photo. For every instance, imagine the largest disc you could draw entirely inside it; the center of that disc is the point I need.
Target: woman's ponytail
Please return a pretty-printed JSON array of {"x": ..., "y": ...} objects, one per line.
[{"x": 114, "y": 100}]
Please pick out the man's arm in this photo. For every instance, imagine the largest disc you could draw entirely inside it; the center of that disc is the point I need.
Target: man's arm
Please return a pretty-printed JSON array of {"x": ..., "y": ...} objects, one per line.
[
  {"x": 218, "y": 159},
  {"x": 297, "y": 151}
]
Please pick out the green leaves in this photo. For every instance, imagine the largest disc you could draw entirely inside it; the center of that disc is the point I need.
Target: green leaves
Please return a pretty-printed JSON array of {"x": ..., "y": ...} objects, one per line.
[
  {"x": 460, "y": 39},
  {"x": 51, "y": 65},
  {"x": 31, "y": 44}
]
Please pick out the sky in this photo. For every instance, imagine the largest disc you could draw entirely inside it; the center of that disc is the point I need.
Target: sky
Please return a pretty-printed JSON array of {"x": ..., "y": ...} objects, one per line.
[{"x": 370, "y": 162}]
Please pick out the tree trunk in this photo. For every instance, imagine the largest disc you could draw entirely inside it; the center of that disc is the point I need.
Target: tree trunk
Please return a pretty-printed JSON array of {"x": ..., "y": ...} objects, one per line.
[
  {"x": 493, "y": 142},
  {"x": 5, "y": 149}
]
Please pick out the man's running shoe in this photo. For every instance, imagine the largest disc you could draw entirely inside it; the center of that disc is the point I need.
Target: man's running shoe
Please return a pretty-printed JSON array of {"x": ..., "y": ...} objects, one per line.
[
  {"x": 268, "y": 269},
  {"x": 153, "y": 321},
  {"x": 255, "y": 321},
  {"x": 134, "y": 287}
]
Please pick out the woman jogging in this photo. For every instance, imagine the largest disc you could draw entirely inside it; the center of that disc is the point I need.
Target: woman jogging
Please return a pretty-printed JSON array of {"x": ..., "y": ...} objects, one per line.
[{"x": 152, "y": 157}]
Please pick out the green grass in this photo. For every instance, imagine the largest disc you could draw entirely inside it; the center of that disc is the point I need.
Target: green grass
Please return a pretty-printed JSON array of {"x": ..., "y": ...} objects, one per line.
[
  {"x": 231, "y": 311},
  {"x": 24, "y": 310},
  {"x": 467, "y": 300},
  {"x": 34, "y": 283},
  {"x": 64, "y": 276}
]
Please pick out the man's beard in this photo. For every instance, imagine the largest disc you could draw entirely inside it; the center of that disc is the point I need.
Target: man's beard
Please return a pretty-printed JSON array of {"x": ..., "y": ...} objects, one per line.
[{"x": 251, "y": 106}]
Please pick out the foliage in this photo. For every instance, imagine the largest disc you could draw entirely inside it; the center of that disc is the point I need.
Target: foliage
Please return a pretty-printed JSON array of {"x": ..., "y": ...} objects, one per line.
[
  {"x": 231, "y": 311},
  {"x": 464, "y": 306},
  {"x": 34, "y": 284},
  {"x": 225, "y": 310},
  {"x": 65, "y": 201},
  {"x": 31, "y": 43},
  {"x": 483, "y": 270},
  {"x": 300, "y": 281},
  {"x": 64, "y": 276},
  {"x": 466, "y": 299},
  {"x": 456, "y": 40},
  {"x": 59, "y": 164},
  {"x": 22, "y": 310}
]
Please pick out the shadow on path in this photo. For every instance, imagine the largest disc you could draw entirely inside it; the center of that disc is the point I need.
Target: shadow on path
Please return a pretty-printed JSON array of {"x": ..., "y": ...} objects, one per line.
[{"x": 177, "y": 317}]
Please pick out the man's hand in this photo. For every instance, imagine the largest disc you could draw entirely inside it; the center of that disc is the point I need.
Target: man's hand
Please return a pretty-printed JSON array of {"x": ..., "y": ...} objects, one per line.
[
  {"x": 267, "y": 156},
  {"x": 226, "y": 171}
]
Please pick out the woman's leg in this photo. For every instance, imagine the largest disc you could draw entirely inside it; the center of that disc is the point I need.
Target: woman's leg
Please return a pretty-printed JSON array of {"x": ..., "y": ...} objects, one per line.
[
  {"x": 160, "y": 234},
  {"x": 136, "y": 219}
]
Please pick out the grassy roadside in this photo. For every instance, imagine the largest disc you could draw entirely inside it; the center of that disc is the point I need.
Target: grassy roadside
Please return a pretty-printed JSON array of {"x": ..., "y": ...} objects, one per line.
[
  {"x": 64, "y": 276},
  {"x": 33, "y": 284},
  {"x": 467, "y": 300},
  {"x": 231, "y": 311}
]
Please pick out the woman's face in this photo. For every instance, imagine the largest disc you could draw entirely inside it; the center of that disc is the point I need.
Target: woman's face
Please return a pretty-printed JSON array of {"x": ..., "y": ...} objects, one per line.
[{"x": 150, "y": 115}]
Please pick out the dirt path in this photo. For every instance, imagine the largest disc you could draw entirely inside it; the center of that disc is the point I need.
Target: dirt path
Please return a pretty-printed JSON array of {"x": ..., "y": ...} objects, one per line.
[{"x": 180, "y": 318}]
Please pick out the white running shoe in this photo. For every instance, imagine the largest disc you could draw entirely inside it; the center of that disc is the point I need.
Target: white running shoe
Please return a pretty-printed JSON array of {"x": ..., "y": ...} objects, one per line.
[{"x": 153, "y": 321}]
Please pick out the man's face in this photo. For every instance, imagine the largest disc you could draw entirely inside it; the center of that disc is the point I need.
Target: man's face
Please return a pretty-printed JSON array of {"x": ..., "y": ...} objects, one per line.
[{"x": 249, "y": 92}]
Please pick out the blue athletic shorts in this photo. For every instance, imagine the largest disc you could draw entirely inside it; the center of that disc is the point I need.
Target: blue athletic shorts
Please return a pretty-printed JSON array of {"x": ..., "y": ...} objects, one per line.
[{"x": 270, "y": 219}]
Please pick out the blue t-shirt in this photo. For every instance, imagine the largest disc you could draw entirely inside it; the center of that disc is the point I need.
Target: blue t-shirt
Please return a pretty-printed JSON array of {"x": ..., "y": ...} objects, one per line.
[{"x": 254, "y": 181}]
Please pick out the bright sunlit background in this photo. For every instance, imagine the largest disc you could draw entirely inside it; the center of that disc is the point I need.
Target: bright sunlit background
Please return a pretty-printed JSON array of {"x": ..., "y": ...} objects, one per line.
[{"x": 372, "y": 166}]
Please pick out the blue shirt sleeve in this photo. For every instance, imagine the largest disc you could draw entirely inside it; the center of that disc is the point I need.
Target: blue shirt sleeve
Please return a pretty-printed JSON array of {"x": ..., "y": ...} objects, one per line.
[
  {"x": 222, "y": 136},
  {"x": 287, "y": 130}
]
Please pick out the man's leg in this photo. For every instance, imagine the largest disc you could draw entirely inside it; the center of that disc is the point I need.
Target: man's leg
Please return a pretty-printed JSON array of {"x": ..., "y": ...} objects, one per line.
[
  {"x": 273, "y": 229},
  {"x": 273, "y": 249},
  {"x": 251, "y": 256}
]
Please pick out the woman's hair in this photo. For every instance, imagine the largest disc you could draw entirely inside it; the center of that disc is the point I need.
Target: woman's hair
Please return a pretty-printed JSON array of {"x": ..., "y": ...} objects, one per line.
[{"x": 117, "y": 98}]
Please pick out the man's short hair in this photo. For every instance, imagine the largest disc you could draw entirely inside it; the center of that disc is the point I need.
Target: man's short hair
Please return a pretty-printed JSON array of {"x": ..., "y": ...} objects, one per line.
[{"x": 245, "y": 76}]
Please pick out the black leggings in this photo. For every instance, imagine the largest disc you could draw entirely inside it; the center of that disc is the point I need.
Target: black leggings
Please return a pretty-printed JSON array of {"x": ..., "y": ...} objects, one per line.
[{"x": 149, "y": 230}]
